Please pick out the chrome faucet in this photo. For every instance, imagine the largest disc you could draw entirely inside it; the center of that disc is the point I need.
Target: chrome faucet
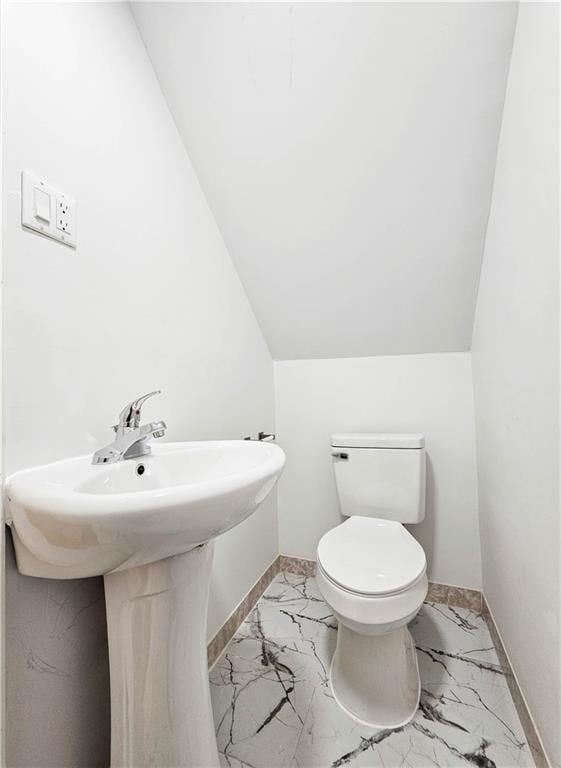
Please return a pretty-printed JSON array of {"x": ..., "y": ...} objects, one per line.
[{"x": 132, "y": 438}]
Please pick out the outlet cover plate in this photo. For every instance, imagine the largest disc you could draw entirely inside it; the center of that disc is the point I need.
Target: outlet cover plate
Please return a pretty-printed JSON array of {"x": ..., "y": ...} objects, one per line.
[{"x": 47, "y": 210}]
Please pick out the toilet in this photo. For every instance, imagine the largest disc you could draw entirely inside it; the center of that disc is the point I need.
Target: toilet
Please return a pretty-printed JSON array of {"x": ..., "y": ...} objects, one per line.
[{"x": 372, "y": 574}]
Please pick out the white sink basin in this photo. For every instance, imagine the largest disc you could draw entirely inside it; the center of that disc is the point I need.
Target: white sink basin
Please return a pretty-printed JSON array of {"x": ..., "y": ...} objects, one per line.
[
  {"x": 146, "y": 525},
  {"x": 72, "y": 519}
]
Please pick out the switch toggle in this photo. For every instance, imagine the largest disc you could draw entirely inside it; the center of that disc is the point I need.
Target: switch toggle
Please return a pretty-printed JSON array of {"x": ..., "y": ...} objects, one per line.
[{"x": 42, "y": 204}]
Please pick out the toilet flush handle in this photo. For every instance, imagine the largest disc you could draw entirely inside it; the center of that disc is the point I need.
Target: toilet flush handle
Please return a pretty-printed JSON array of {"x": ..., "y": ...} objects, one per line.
[{"x": 340, "y": 455}]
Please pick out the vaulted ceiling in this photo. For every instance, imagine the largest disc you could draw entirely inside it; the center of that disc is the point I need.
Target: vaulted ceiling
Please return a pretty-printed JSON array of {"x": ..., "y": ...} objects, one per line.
[{"x": 347, "y": 152}]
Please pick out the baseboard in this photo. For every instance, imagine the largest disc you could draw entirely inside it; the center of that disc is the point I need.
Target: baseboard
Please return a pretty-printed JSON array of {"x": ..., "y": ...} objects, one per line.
[
  {"x": 301, "y": 566},
  {"x": 220, "y": 640},
  {"x": 298, "y": 565},
  {"x": 526, "y": 719},
  {"x": 459, "y": 597},
  {"x": 227, "y": 631}
]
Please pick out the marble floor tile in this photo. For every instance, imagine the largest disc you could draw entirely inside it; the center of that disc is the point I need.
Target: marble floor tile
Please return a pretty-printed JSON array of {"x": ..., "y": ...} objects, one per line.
[
  {"x": 452, "y": 629},
  {"x": 452, "y": 728},
  {"x": 292, "y": 607},
  {"x": 260, "y": 695},
  {"x": 454, "y": 647},
  {"x": 273, "y": 705}
]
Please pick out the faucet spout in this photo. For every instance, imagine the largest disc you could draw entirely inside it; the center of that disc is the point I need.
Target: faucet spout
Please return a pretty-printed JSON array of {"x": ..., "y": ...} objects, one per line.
[{"x": 131, "y": 438}]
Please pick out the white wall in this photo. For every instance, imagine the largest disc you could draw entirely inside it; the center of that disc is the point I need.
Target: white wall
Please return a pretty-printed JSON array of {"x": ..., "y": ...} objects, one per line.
[
  {"x": 516, "y": 374},
  {"x": 3, "y": 40},
  {"x": 415, "y": 393},
  {"x": 149, "y": 300},
  {"x": 347, "y": 151}
]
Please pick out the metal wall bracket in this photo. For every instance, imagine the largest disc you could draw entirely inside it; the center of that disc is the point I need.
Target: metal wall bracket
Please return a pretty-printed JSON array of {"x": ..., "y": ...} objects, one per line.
[{"x": 263, "y": 437}]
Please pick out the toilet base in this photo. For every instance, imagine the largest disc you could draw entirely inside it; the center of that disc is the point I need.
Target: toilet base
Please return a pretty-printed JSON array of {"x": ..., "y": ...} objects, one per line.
[{"x": 375, "y": 678}]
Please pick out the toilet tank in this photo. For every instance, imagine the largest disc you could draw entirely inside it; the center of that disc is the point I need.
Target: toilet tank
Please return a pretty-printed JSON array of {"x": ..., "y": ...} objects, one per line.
[{"x": 380, "y": 475}]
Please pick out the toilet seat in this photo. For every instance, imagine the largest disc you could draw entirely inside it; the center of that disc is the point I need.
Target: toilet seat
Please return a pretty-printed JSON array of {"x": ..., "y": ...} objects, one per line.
[{"x": 371, "y": 557}]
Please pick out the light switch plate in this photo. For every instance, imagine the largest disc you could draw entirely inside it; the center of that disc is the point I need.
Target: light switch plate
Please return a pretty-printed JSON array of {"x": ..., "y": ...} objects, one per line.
[{"x": 47, "y": 210}]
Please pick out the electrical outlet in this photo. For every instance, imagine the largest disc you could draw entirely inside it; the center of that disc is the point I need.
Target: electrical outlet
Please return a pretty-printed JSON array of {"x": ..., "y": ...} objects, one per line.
[{"x": 64, "y": 215}]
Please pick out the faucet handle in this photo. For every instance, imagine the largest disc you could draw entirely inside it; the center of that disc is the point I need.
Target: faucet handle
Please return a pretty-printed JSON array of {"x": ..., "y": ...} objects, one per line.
[{"x": 130, "y": 415}]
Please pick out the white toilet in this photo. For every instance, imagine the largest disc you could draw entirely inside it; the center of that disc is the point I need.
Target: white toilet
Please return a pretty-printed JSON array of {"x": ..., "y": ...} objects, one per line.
[{"x": 372, "y": 573}]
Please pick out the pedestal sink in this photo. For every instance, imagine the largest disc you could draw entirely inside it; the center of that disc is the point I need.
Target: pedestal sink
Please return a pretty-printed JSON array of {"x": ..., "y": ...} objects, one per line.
[{"x": 147, "y": 526}]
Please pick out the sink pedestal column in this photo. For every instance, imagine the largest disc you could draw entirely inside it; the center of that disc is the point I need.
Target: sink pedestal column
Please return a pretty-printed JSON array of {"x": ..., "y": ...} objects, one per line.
[{"x": 161, "y": 715}]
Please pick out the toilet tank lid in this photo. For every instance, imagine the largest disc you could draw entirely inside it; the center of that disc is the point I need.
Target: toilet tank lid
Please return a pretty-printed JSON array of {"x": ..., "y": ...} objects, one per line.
[{"x": 377, "y": 440}]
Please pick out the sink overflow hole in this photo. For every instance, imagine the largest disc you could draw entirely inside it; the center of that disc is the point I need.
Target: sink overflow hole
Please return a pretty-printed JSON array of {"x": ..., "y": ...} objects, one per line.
[{"x": 140, "y": 470}]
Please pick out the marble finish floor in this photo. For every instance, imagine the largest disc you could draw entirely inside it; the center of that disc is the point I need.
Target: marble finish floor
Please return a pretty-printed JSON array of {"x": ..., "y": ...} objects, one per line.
[{"x": 273, "y": 706}]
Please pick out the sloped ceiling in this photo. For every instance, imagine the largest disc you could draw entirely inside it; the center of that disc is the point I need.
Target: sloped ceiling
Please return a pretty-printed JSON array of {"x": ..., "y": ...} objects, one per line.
[{"x": 347, "y": 152}]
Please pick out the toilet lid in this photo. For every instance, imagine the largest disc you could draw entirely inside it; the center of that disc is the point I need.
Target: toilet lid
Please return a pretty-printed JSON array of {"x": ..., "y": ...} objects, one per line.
[{"x": 371, "y": 556}]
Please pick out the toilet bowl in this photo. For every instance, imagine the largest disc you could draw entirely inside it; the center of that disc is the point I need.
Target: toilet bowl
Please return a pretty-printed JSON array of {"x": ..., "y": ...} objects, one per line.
[{"x": 372, "y": 574}]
